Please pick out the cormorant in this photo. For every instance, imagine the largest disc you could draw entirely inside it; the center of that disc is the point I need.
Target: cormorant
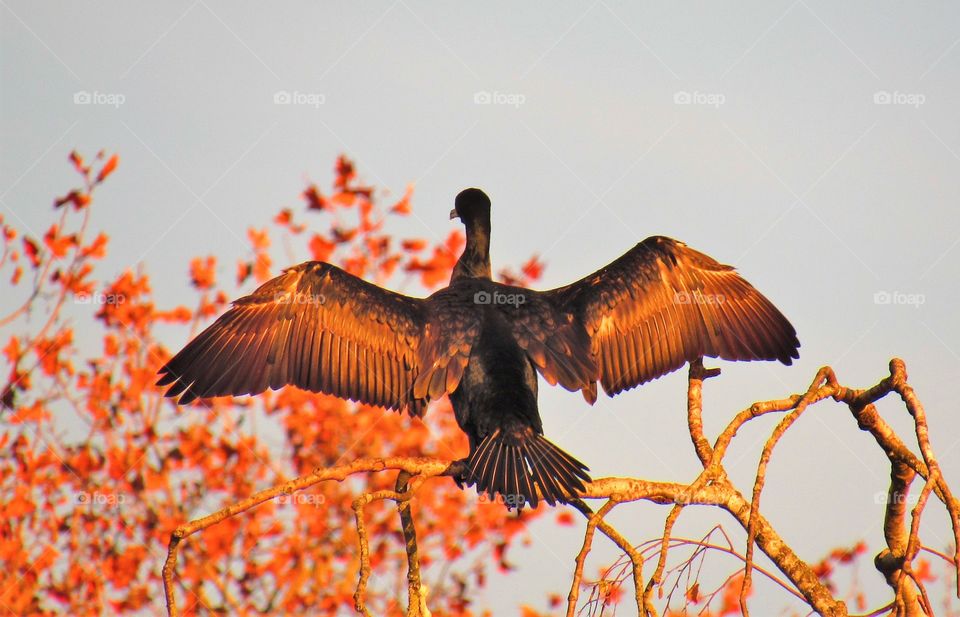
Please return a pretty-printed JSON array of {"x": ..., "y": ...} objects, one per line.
[{"x": 315, "y": 326}]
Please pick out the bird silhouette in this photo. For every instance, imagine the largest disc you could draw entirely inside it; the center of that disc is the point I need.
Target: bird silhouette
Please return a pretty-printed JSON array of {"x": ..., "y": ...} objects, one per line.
[{"x": 647, "y": 313}]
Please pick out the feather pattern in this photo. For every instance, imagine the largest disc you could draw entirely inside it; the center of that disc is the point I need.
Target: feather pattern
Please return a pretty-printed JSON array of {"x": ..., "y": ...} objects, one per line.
[
  {"x": 523, "y": 467},
  {"x": 315, "y": 327},
  {"x": 663, "y": 304}
]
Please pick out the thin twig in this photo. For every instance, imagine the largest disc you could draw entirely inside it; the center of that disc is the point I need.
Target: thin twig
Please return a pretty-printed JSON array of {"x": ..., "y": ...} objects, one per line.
[
  {"x": 416, "y": 594},
  {"x": 664, "y": 548},
  {"x": 592, "y": 523},
  {"x": 824, "y": 374},
  {"x": 425, "y": 467}
]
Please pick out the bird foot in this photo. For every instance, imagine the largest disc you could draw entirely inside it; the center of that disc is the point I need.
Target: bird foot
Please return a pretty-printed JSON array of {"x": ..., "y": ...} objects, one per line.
[{"x": 459, "y": 472}]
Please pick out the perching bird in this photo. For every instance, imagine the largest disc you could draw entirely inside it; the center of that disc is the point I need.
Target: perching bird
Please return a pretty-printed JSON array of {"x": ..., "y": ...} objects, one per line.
[{"x": 644, "y": 315}]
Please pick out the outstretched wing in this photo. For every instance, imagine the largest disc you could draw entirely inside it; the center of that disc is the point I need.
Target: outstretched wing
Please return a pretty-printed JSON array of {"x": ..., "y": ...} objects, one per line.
[
  {"x": 316, "y": 327},
  {"x": 663, "y": 304}
]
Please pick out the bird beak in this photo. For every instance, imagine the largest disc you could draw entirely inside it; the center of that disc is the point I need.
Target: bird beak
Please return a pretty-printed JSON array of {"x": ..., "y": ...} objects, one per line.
[{"x": 453, "y": 214}]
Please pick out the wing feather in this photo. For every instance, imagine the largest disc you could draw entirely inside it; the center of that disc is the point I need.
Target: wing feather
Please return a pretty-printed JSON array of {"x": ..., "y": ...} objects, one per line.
[
  {"x": 316, "y": 327},
  {"x": 663, "y": 304}
]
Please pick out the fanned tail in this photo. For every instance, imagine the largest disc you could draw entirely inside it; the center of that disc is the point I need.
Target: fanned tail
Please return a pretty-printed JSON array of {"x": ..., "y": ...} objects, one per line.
[{"x": 522, "y": 467}]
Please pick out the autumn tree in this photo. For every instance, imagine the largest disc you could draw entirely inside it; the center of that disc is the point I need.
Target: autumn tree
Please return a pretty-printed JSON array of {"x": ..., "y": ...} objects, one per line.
[
  {"x": 99, "y": 469},
  {"x": 299, "y": 503}
]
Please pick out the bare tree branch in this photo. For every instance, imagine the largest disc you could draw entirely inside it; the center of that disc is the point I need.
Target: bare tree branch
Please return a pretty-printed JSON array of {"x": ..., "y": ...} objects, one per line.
[{"x": 711, "y": 487}]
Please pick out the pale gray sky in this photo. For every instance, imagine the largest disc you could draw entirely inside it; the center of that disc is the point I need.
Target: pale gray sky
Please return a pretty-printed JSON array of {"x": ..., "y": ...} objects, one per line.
[{"x": 814, "y": 145}]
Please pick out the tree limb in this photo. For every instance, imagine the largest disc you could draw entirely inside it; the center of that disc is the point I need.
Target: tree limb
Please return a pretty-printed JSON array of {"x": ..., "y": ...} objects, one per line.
[{"x": 712, "y": 487}]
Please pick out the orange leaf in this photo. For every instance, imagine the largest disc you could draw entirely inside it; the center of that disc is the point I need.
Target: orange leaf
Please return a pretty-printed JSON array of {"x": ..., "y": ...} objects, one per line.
[
  {"x": 97, "y": 248},
  {"x": 403, "y": 206},
  {"x": 321, "y": 247},
  {"x": 12, "y": 350},
  {"x": 284, "y": 217},
  {"x": 203, "y": 272},
  {"x": 180, "y": 314},
  {"x": 57, "y": 244},
  {"x": 345, "y": 172},
  {"x": 261, "y": 267},
  {"x": 20, "y": 505},
  {"x": 110, "y": 345},
  {"x": 33, "y": 413},
  {"x": 414, "y": 245},
  {"x": 77, "y": 161},
  {"x": 344, "y": 199},
  {"x": 533, "y": 269},
  {"x": 342, "y": 235},
  {"x": 244, "y": 270},
  {"x": 922, "y": 571},
  {"x": 731, "y": 595},
  {"x": 32, "y": 250},
  {"x": 68, "y": 198},
  {"x": 259, "y": 238},
  {"x": 315, "y": 200},
  {"x": 108, "y": 168}
]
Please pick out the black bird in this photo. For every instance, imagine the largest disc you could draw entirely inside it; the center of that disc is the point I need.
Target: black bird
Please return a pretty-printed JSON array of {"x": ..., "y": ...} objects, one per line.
[{"x": 644, "y": 315}]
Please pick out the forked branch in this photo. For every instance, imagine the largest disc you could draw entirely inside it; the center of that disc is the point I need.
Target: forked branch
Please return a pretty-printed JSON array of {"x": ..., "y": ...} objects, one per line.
[{"x": 711, "y": 487}]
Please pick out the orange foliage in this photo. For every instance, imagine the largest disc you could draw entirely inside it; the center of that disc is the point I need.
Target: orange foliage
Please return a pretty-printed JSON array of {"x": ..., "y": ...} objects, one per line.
[
  {"x": 437, "y": 269},
  {"x": 730, "y": 599},
  {"x": 203, "y": 272},
  {"x": 98, "y": 468}
]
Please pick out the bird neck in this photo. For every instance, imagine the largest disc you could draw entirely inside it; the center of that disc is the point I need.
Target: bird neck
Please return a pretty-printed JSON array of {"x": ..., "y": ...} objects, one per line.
[{"x": 475, "y": 260}]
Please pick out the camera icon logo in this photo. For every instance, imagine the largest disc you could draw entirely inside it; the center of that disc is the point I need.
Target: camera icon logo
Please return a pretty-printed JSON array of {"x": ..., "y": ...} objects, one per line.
[
  {"x": 482, "y": 297},
  {"x": 482, "y": 98},
  {"x": 82, "y": 98},
  {"x": 281, "y": 97},
  {"x": 682, "y": 97},
  {"x": 882, "y": 97}
]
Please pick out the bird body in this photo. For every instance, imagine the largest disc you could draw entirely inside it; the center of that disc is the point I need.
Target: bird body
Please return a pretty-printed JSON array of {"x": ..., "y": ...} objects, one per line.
[
  {"x": 495, "y": 404},
  {"x": 483, "y": 343}
]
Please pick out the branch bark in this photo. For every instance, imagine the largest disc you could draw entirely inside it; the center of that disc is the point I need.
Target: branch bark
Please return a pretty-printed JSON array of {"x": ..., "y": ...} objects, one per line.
[{"x": 712, "y": 487}]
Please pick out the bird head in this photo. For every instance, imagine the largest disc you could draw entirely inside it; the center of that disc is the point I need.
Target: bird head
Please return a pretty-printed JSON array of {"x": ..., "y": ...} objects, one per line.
[{"x": 471, "y": 205}]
